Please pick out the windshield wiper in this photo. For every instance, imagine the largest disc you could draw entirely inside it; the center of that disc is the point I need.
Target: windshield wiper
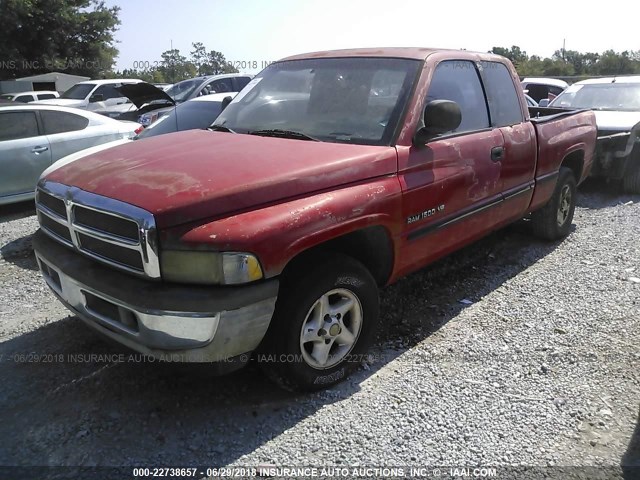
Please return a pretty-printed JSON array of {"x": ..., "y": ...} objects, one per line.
[
  {"x": 283, "y": 134},
  {"x": 219, "y": 128}
]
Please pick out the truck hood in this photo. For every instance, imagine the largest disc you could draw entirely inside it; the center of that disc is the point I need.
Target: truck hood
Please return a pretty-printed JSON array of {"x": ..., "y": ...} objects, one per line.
[
  {"x": 144, "y": 93},
  {"x": 196, "y": 174},
  {"x": 616, "y": 121},
  {"x": 63, "y": 102}
]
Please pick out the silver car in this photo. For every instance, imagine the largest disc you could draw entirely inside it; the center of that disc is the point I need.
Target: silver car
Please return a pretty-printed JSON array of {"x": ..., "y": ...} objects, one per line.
[{"x": 32, "y": 137}]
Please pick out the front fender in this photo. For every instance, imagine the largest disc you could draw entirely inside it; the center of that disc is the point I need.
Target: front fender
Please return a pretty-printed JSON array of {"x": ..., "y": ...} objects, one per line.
[{"x": 277, "y": 233}]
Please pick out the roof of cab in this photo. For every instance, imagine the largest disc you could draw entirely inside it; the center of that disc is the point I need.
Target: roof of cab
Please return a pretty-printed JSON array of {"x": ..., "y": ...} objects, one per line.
[{"x": 416, "y": 53}]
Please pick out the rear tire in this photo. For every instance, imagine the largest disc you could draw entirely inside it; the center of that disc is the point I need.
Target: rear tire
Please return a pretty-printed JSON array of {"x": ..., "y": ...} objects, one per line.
[
  {"x": 553, "y": 221},
  {"x": 326, "y": 318},
  {"x": 631, "y": 182}
]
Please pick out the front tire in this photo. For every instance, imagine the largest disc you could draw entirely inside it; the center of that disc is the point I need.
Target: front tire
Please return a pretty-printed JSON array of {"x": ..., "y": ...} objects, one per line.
[
  {"x": 553, "y": 221},
  {"x": 326, "y": 318}
]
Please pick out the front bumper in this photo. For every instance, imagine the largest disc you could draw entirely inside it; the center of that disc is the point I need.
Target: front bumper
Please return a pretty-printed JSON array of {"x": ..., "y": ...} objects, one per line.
[{"x": 169, "y": 322}]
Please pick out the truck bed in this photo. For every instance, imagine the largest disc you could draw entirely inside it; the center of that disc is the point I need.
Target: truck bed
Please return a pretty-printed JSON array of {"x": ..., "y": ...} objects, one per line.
[{"x": 545, "y": 114}]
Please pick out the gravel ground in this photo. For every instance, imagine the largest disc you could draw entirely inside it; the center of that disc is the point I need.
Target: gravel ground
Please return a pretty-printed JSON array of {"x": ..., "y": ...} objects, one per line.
[{"x": 510, "y": 352}]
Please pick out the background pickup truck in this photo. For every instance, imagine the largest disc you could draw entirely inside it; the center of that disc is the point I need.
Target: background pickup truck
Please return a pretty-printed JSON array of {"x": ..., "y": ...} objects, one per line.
[{"x": 329, "y": 175}]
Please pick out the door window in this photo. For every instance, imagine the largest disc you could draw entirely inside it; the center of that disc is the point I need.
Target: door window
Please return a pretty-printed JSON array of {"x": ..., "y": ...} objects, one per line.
[
  {"x": 15, "y": 125},
  {"x": 459, "y": 82},
  {"x": 107, "y": 92},
  {"x": 241, "y": 82},
  {"x": 60, "y": 122},
  {"x": 219, "y": 86}
]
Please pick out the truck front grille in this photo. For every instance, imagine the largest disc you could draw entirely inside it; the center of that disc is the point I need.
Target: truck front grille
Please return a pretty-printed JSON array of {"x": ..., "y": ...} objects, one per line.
[{"x": 110, "y": 231}]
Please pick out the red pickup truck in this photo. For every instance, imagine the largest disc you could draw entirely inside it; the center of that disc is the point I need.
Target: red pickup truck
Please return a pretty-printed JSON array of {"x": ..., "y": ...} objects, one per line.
[{"x": 330, "y": 175}]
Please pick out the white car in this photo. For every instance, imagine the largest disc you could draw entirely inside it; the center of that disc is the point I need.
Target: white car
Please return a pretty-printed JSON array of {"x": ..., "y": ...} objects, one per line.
[
  {"x": 93, "y": 94},
  {"x": 33, "y": 137},
  {"x": 26, "y": 97},
  {"x": 616, "y": 104}
]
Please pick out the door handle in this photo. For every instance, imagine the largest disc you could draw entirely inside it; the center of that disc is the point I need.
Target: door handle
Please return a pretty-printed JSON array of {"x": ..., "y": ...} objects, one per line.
[
  {"x": 497, "y": 153},
  {"x": 38, "y": 150}
]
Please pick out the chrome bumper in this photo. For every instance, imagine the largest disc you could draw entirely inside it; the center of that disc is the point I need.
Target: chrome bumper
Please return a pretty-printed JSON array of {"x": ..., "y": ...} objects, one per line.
[{"x": 164, "y": 334}]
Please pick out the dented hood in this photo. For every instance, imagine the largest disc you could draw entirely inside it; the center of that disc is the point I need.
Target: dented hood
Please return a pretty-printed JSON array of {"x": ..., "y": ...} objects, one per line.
[
  {"x": 143, "y": 93},
  {"x": 196, "y": 174}
]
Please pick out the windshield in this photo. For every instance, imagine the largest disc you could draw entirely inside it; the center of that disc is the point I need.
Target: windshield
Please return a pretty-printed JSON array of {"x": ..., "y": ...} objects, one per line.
[
  {"x": 79, "y": 91},
  {"x": 349, "y": 100},
  {"x": 181, "y": 91},
  {"x": 601, "y": 96}
]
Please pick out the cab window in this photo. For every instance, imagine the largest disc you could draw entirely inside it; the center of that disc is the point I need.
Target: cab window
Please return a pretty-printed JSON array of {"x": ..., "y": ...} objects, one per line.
[
  {"x": 504, "y": 103},
  {"x": 458, "y": 81}
]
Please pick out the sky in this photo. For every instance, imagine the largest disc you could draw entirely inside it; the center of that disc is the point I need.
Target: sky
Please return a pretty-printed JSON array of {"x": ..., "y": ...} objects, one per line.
[{"x": 260, "y": 32}]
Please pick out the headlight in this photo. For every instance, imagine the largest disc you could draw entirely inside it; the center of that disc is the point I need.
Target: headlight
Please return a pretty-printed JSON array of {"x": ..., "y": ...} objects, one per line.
[{"x": 211, "y": 268}]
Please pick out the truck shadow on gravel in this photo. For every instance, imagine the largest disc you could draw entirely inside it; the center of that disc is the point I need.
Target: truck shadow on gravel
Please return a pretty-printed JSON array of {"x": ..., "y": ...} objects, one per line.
[
  {"x": 631, "y": 459},
  {"x": 15, "y": 211},
  {"x": 20, "y": 253},
  {"x": 595, "y": 194},
  {"x": 69, "y": 408}
]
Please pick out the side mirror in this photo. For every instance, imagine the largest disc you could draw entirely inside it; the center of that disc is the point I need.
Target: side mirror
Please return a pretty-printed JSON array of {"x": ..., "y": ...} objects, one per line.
[
  {"x": 225, "y": 101},
  {"x": 440, "y": 116},
  {"x": 98, "y": 97},
  {"x": 544, "y": 102}
]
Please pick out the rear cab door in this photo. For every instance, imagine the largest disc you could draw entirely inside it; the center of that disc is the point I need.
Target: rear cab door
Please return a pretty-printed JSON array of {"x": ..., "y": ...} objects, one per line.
[
  {"x": 24, "y": 151},
  {"x": 508, "y": 115},
  {"x": 452, "y": 185}
]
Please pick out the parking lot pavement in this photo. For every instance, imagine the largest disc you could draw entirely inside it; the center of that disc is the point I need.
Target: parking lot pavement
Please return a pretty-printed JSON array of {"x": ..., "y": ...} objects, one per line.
[{"x": 512, "y": 351}]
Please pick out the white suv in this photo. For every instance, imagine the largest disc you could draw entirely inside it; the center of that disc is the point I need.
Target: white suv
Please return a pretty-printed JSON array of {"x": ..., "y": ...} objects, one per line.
[
  {"x": 93, "y": 94},
  {"x": 26, "y": 97}
]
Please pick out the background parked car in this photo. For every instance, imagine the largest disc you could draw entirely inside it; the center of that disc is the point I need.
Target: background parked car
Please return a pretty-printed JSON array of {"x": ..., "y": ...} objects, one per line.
[
  {"x": 197, "y": 113},
  {"x": 193, "y": 114},
  {"x": 93, "y": 94},
  {"x": 543, "y": 88},
  {"x": 198, "y": 87},
  {"x": 616, "y": 104},
  {"x": 141, "y": 98},
  {"x": 26, "y": 97},
  {"x": 32, "y": 137}
]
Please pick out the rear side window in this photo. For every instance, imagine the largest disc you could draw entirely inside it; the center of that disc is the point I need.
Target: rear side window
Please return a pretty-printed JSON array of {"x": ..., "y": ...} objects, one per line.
[
  {"x": 45, "y": 96},
  {"x": 15, "y": 125},
  {"x": 24, "y": 98},
  {"x": 458, "y": 81},
  {"x": 504, "y": 104},
  {"x": 60, "y": 122}
]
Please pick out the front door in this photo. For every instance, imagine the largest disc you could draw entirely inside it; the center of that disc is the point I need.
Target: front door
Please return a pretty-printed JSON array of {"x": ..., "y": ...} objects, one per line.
[
  {"x": 24, "y": 153},
  {"x": 452, "y": 185}
]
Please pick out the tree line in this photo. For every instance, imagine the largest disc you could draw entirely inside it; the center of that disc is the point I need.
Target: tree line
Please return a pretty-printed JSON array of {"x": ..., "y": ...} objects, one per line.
[
  {"x": 78, "y": 37},
  {"x": 175, "y": 67},
  {"x": 570, "y": 63}
]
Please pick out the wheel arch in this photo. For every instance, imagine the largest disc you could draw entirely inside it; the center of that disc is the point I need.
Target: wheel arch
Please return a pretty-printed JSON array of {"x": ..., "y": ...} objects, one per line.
[
  {"x": 372, "y": 246},
  {"x": 574, "y": 161}
]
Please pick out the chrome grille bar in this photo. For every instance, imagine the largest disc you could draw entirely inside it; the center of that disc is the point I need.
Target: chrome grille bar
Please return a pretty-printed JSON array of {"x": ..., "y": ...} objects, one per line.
[{"x": 142, "y": 224}]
